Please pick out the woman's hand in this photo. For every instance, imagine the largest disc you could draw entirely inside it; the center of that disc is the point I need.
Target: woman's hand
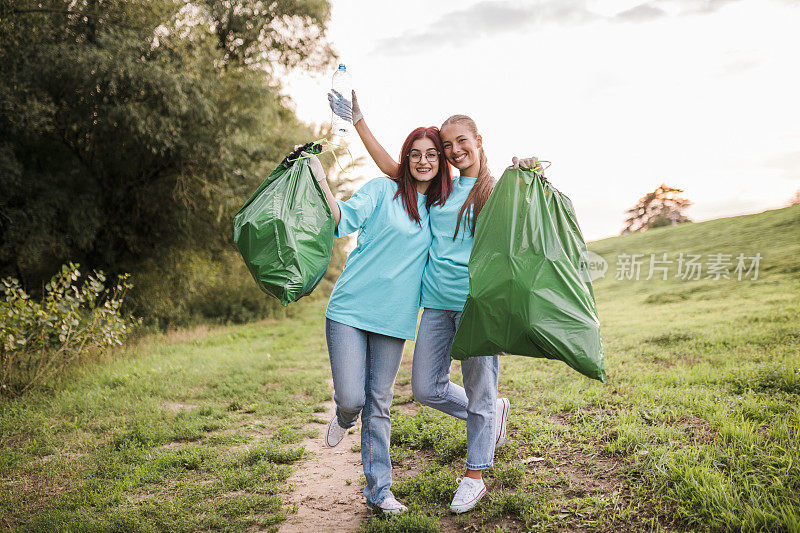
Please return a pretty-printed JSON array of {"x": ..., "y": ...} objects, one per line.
[
  {"x": 349, "y": 110},
  {"x": 341, "y": 108},
  {"x": 316, "y": 167},
  {"x": 357, "y": 114},
  {"x": 531, "y": 163},
  {"x": 319, "y": 174}
]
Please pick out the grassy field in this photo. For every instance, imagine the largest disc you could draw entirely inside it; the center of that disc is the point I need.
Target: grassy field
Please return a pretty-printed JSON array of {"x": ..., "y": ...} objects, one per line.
[
  {"x": 696, "y": 429},
  {"x": 192, "y": 431}
]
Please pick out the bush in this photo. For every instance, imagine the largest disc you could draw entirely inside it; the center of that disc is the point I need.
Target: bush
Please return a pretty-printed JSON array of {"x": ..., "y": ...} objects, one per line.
[
  {"x": 188, "y": 287},
  {"x": 40, "y": 340}
]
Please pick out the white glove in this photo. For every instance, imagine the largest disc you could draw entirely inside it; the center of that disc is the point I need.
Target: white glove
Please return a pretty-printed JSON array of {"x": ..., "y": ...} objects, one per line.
[
  {"x": 316, "y": 167},
  {"x": 357, "y": 114},
  {"x": 531, "y": 163},
  {"x": 344, "y": 108},
  {"x": 341, "y": 107}
]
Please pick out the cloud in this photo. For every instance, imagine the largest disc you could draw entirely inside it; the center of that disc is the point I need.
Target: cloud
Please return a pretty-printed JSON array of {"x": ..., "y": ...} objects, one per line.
[
  {"x": 488, "y": 18},
  {"x": 641, "y": 13},
  {"x": 655, "y": 9},
  {"x": 493, "y": 18},
  {"x": 705, "y": 7},
  {"x": 691, "y": 7}
]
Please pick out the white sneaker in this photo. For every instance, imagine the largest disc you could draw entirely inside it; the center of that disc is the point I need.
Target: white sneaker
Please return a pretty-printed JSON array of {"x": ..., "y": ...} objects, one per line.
[
  {"x": 467, "y": 495},
  {"x": 390, "y": 505},
  {"x": 500, "y": 420},
  {"x": 335, "y": 433}
]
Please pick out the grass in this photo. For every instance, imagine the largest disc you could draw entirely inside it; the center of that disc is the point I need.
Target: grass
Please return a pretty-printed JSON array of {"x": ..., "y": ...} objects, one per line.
[
  {"x": 696, "y": 429},
  {"x": 180, "y": 433}
]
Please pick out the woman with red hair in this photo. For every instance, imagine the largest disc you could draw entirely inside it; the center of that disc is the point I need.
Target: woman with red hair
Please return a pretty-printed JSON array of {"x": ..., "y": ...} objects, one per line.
[
  {"x": 374, "y": 305},
  {"x": 445, "y": 285}
]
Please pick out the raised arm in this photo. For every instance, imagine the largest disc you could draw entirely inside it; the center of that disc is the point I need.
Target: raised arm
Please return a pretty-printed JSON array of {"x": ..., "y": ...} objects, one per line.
[
  {"x": 319, "y": 175},
  {"x": 385, "y": 162}
]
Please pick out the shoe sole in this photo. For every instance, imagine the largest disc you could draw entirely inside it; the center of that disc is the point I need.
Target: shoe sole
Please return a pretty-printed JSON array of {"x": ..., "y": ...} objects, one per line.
[
  {"x": 328, "y": 435},
  {"x": 501, "y": 438},
  {"x": 464, "y": 507},
  {"x": 378, "y": 510}
]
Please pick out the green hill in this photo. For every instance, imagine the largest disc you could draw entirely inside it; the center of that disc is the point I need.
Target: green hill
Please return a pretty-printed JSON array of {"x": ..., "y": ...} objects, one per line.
[
  {"x": 774, "y": 234},
  {"x": 704, "y": 375},
  {"x": 755, "y": 312}
]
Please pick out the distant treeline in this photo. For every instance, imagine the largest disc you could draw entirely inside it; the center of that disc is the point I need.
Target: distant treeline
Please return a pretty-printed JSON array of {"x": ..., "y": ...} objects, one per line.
[{"x": 131, "y": 132}]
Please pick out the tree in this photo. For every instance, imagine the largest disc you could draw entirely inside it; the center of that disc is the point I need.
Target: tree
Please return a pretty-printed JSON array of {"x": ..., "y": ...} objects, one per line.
[
  {"x": 130, "y": 130},
  {"x": 795, "y": 200},
  {"x": 662, "y": 207},
  {"x": 267, "y": 35}
]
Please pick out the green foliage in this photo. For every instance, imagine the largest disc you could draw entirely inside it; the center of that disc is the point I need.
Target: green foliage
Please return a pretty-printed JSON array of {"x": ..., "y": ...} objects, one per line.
[
  {"x": 408, "y": 522},
  {"x": 431, "y": 430},
  {"x": 132, "y": 131},
  {"x": 434, "y": 485},
  {"x": 530, "y": 508},
  {"x": 272, "y": 454},
  {"x": 780, "y": 379},
  {"x": 40, "y": 340},
  {"x": 147, "y": 440},
  {"x": 189, "y": 287},
  {"x": 265, "y": 35},
  {"x": 509, "y": 474}
]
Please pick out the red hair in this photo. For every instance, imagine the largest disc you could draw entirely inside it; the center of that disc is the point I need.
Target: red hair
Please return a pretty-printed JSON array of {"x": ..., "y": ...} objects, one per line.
[{"x": 441, "y": 184}]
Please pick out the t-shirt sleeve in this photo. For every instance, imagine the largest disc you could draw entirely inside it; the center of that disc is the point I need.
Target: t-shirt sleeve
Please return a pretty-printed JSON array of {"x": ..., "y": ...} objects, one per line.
[{"x": 357, "y": 210}]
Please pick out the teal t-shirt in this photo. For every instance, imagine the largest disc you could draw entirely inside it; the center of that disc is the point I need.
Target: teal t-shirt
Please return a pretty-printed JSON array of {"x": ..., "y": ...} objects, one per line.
[
  {"x": 445, "y": 282},
  {"x": 379, "y": 289}
]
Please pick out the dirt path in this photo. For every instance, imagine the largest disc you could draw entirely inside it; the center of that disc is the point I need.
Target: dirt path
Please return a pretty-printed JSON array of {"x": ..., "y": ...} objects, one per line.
[{"x": 327, "y": 488}]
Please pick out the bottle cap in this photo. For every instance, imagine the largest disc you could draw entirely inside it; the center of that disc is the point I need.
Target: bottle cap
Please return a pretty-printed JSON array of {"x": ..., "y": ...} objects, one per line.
[{"x": 342, "y": 67}]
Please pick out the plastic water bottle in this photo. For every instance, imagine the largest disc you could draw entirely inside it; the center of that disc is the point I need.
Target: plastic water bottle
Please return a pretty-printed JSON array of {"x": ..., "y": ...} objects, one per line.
[{"x": 343, "y": 84}]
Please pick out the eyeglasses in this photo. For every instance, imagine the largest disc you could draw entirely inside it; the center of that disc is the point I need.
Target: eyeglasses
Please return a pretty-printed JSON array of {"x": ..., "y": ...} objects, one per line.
[{"x": 430, "y": 155}]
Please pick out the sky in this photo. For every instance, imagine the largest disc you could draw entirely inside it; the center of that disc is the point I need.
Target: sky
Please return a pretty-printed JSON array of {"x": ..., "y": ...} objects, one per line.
[{"x": 619, "y": 95}]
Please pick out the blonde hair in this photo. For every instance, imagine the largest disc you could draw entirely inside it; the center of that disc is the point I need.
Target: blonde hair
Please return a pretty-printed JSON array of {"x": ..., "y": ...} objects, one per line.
[{"x": 477, "y": 197}]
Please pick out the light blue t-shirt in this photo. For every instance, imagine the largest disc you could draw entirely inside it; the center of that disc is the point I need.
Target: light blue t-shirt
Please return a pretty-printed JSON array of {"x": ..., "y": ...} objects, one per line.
[
  {"x": 379, "y": 289},
  {"x": 445, "y": 282}
]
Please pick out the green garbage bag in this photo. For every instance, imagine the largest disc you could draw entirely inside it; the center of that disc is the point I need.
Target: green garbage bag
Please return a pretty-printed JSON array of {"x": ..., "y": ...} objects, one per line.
[
  {"x": 527, "y": 292},
  {"x": 285, "y": 230}
]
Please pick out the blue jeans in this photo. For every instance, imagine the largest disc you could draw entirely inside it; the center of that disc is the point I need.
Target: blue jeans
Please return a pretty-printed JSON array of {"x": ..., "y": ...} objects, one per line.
[
  {"x": 364, "y": 366},
  {"x": 476, "y": 402}
]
